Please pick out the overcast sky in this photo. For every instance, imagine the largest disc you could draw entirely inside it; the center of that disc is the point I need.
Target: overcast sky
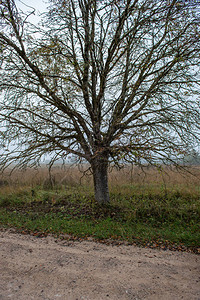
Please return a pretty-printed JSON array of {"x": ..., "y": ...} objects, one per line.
[{"x": 38, "y": 5}]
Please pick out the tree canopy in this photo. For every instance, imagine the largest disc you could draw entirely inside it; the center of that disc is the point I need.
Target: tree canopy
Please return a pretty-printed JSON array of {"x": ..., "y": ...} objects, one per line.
[{"x": 105, "y": 80}]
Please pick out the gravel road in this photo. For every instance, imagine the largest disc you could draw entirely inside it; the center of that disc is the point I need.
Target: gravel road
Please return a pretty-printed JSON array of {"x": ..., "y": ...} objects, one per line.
[{"x": 50, "y": 269}]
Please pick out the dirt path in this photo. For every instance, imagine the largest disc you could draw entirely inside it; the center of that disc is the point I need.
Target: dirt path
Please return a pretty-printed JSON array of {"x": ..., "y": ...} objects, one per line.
[{"x": 33, "y": 268}]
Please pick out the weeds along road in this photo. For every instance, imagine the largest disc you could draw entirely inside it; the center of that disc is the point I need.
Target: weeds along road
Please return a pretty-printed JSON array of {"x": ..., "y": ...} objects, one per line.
[{"x": 46, "y": 268}]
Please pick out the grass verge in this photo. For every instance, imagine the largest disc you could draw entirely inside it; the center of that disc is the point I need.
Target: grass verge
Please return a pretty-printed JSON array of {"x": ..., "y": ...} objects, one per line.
[{"x": 165, "y": 220}]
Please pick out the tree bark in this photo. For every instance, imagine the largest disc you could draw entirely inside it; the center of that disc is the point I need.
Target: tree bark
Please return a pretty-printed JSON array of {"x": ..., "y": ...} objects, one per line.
[{"x": 100, "y": 177}]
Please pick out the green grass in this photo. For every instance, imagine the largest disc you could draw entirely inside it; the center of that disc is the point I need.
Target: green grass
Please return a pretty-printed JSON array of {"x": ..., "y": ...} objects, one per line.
[{"x": 147, "y": 218}]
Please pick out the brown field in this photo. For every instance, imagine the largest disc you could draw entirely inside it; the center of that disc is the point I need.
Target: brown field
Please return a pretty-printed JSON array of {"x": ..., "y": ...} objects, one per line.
[{"x": 146, "y": 180}]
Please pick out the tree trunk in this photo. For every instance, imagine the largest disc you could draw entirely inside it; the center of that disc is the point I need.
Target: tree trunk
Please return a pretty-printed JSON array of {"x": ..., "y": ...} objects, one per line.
[{"x": 100, "y": 177}]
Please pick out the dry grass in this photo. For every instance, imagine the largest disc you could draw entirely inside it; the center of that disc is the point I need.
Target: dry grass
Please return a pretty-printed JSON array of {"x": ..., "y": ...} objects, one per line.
[
  {"x": 148, "y": 179},
  {"x": 153, "y": 180}
]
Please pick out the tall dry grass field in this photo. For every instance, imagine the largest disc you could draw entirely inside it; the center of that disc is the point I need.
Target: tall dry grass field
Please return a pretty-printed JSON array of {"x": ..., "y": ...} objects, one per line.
[{"x": 148, "y": 179}]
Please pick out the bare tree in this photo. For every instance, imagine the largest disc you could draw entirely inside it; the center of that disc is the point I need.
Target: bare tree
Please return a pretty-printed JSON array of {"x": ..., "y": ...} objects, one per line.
[{"x": 105, "y": 80}]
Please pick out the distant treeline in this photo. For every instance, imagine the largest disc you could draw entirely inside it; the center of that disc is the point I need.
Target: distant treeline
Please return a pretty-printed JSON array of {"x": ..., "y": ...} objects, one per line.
[{"x": 193, "y": 159}]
